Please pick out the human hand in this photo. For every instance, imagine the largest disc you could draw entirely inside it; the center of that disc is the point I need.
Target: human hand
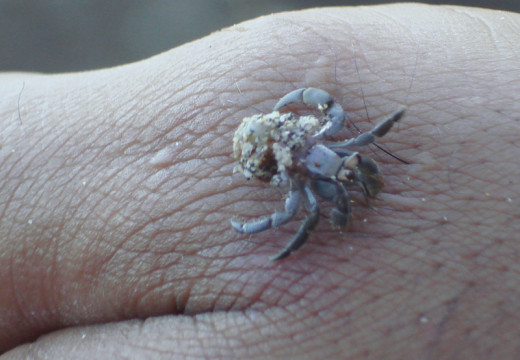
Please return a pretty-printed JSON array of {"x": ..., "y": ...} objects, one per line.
[{"x": 117, "y": 191}]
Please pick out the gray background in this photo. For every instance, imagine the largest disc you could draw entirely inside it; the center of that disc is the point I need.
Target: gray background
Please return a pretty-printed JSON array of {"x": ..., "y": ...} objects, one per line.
[{"x": 59, "y": 36}]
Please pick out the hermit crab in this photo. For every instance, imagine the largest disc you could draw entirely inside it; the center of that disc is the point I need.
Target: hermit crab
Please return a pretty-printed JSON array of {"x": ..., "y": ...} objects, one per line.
[{"x": 284, "y": 147}]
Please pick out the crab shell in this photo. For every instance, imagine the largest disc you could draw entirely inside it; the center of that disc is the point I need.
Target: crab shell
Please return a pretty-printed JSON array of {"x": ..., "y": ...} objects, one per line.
[{"x": 264, "y": 144}]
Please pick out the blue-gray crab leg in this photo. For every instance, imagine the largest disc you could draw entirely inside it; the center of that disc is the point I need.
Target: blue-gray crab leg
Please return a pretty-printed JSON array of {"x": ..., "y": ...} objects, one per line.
[
  {"x": 308, "y": 225},
  {"x": 369, "y": 137},
  {"x": 334, "y": 113},
  {"x": 292, "y": 204},
  {"x": 338, "y": 195}
]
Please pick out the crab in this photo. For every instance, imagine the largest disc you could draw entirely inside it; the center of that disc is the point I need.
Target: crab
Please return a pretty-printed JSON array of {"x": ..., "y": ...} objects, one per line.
[{"x": 284, "y": 147}]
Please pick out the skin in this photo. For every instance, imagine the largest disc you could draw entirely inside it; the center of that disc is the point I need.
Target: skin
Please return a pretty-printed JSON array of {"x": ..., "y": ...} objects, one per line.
[{"x": 117, "y": 191}]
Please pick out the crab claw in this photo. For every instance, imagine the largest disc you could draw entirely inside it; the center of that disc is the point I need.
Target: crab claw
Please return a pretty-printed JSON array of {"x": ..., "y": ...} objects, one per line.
[{"x": 323, "y": 101}]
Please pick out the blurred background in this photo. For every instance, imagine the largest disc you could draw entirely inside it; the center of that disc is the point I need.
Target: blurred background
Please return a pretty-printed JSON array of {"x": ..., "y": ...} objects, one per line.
[{"x": 61, "y": 36}]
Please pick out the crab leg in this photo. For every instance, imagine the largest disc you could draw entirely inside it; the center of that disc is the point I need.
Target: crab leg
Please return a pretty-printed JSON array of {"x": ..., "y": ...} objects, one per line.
[
  {"x": 369, "y": 137},
  {"x": 292, "y": 204},
  {"x": 335, "y": 193},
  {"x": 308, "y": 225}
]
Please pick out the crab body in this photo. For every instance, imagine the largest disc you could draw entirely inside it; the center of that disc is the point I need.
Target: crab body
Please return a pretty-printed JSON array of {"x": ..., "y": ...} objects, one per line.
[{"x": 279, "y": 147}]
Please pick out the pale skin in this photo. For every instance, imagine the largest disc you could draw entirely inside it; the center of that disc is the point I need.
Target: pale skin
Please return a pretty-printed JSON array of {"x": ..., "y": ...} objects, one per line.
[{"x": 117, "y": 190}]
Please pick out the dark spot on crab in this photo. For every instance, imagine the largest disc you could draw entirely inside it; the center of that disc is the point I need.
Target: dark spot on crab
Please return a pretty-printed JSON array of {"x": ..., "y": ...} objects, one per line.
[{"x": 268, "y": 166}]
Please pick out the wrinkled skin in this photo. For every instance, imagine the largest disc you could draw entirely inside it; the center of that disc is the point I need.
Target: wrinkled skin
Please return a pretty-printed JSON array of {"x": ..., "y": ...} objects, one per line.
[{"x": 102, "y": 228}]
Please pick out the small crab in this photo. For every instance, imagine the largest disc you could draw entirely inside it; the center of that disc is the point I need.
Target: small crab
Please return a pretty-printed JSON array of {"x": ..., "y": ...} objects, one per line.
[{"x": 280, "y": 147}]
